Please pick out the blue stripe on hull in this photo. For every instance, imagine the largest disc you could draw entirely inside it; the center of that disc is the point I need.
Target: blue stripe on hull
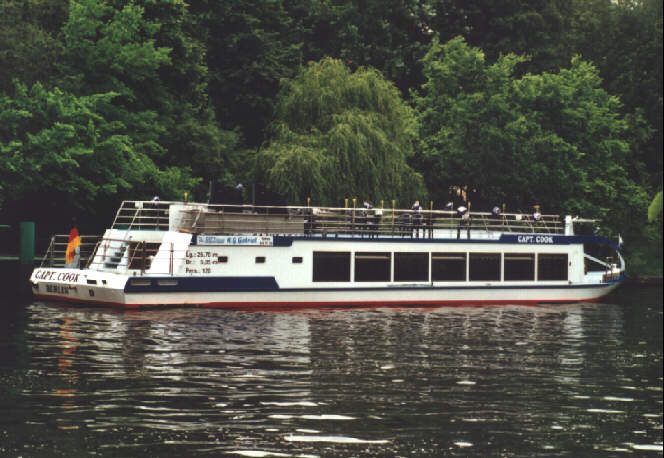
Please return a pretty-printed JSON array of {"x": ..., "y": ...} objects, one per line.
[
  {"x": 199, "y": 284},
  {"x": 252, "y": 284}
]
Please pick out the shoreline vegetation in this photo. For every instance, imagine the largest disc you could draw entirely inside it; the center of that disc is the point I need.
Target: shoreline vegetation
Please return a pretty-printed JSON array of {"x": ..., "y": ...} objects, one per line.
[{"x": 556, "y": 105}]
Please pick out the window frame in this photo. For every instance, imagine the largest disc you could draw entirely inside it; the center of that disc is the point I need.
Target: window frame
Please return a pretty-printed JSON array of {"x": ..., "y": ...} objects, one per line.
[
  {"x": 426, "y": 264},
  {"x": 514, "y": 256},
  {"x": 449, "y": 256},
  {"x": 359, "y": 274},
  {"x": 318, "y": 257},
  {"x": 498, "y": 260},
  {"x": 540, "y": 270}
]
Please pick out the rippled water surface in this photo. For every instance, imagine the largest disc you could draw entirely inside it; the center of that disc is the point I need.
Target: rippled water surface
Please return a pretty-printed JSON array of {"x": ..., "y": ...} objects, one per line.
[{"x": 572, "y": 380}]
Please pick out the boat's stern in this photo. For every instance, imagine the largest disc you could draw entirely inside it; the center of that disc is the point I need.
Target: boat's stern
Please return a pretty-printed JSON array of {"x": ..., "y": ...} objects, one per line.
[{"x": 74, "y": 285}]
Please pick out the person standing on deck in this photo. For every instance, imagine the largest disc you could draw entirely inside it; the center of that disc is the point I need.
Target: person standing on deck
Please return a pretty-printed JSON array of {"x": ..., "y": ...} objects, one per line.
[
  {"x": 464, "y": 220},
  {"x": 417, "y": 218}
]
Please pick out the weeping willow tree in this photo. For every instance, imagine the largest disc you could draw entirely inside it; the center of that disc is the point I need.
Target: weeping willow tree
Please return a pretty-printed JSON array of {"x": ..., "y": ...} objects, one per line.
[{"x": 340, "y": 134}]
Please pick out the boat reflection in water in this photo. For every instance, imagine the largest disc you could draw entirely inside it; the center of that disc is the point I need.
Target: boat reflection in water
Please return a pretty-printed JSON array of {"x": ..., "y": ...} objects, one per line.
[{"x": 467, "y": 380}]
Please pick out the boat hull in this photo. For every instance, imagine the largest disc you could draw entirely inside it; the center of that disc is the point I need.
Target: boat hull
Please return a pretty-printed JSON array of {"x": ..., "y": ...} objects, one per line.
[{"x": 149, "y": 268}]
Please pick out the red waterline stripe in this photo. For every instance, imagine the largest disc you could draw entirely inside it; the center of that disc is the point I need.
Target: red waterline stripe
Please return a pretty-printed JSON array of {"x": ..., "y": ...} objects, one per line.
[{"x": 320, "y": 304}]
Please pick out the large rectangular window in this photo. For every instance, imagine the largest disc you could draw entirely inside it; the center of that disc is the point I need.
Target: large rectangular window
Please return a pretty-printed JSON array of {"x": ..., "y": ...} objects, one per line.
[
  {"x": 331, "y": 266},
  {"x": 484, "y": 267},
  {"x": 411, "y": 267},
  {"x": 552, "y": 266},
  {"x": 372, "y": 266},
  {"x": 448, "y": 266},
  {"x": 519, "y": 266}
]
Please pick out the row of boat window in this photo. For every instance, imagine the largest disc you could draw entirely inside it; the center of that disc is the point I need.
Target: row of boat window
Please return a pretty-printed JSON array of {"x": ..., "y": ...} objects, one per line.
[{"x": 377, "y": 267}]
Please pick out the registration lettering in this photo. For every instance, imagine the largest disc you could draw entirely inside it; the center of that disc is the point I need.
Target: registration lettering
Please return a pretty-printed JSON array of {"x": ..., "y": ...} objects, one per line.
[
  {"x": 545, "y": 239},
  {"x": 57, "y": 289}
]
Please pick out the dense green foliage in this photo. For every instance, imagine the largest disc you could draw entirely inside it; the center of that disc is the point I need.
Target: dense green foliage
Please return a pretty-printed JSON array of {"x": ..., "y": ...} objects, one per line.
[
  {"x": 341, "y": 134},
  {"x": 557, "y": 136},
  {"x": 60, "y": 143},
  {"x": 624, "y": 41},
  {"x": 555, "y": 103}
]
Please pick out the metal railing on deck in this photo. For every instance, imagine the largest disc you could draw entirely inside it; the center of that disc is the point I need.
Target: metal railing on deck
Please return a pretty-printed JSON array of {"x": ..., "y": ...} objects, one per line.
[
  {"x": 248, "y": 219},
  {"x": 313, "y": 221},
  {"x": 121, "y": 255},
  {"x": 107, "y": 254},
  {"x": 57, "y": 249},
  {"x": 142, "y": 215},
  {"x": 326, "y": 221}
]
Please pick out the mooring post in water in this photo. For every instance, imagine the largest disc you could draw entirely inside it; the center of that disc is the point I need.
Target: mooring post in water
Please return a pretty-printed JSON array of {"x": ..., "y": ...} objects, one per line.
[{"x": 26, "y": 255}]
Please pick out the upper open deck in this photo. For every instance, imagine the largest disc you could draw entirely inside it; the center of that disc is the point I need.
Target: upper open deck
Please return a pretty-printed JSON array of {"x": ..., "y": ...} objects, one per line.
[{"x": 212, "y": 219}]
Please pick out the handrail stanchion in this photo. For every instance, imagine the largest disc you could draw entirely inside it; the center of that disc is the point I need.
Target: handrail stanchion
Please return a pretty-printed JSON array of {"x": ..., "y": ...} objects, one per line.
[
  {"x": 379, "y": 221},
  {"x": 470, "y": 222},
  {"x": 91, "y": 259},
  {"x": 143, "y": 258},
  {"x": 431, "y": 219},
  {"x": 352, "y": 218},
  {"x": 170, "y": 265},
  {"x": 504, "y": 218},
  {"x": 51, "y": 249}
]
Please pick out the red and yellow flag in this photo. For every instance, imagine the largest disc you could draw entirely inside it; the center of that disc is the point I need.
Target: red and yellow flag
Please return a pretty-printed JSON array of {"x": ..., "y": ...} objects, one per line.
[{"x": 73, "y": 247}]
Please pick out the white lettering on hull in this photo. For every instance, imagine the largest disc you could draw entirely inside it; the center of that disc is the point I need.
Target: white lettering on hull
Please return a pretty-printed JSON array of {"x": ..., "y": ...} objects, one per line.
[{"x": 542, "y": 239}]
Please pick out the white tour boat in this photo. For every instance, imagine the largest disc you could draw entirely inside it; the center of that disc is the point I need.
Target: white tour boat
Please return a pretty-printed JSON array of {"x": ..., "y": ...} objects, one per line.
[{"x": 194, "y": 254}]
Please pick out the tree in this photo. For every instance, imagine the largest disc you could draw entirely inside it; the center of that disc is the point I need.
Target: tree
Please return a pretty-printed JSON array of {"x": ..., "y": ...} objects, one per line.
[
  {"x": 150, "y": 58},
  {"x": 340, "y": 134},
  {"x": 389, "y": 35},
  {"x": 554, "y": 139},
  {"x": 624, "y": 41},
  {"x": 251, "y": 47},
  {"x": 468, "y": 129},
  {"x": 59, "y": 156},
  {"x": 536, "y": 28},
  {"x": 30, "y": 40}
]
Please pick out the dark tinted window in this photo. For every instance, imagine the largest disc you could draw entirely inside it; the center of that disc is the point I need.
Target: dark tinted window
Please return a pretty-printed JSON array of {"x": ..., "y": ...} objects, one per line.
[
  {"x": 411, "y": 267},
  {"x": 484, "y": 267},
  {"x": 331, "y": 266},
  {"x": 552, "y": 266},
  {"x": 448, "y": 266},
  {"x": 519, "y": 266},
  {"x": 372, "y": 266}
]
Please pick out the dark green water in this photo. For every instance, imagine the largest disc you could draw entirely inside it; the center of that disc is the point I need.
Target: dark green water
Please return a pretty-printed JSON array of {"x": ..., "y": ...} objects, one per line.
[{"x": 573, "y": 380}]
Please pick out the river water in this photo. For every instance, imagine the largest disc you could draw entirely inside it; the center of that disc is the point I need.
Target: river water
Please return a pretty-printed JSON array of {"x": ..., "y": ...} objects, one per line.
[{"x": 571, "y": 380}]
